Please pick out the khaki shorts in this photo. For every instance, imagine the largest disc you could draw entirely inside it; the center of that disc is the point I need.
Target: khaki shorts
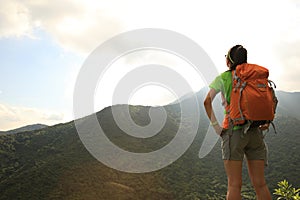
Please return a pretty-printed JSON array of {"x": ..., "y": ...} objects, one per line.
[{"x": 236, "y": 145}]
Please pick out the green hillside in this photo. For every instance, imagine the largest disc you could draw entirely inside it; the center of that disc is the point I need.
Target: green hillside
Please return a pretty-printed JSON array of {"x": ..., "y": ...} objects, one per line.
[{"x": 52, "y": 163}]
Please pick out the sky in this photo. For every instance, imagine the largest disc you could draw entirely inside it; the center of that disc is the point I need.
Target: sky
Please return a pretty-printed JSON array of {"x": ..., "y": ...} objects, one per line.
[{"x": 43, "y": 45}]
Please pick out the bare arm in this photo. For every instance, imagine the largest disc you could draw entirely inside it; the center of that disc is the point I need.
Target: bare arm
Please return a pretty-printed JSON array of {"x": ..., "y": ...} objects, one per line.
[{"x": 210, "y": 112}]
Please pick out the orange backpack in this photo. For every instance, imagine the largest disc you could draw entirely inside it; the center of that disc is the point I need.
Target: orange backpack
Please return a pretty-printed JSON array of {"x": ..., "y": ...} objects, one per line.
[{"x": 252, "y": 96}]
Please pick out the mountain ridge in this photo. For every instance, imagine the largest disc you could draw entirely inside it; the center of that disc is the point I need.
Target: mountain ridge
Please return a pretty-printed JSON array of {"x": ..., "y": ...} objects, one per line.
[
  {"x": 30, "y": 127},
  {"x": 286, "y": 108}
]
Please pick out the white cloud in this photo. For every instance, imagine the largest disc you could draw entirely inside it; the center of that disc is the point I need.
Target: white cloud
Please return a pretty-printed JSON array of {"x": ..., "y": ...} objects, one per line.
[
  {"x": 81, "y": 25},
  {"x": 74, "y": 25},
  {"x": 14, "y": 19},
  {"x": 16, "y": 116},
  {"x": 288, "y": 54}
]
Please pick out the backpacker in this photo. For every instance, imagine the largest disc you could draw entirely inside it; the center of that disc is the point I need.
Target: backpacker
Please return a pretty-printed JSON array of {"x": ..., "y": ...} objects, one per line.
[{"x": 252, "y": 96}]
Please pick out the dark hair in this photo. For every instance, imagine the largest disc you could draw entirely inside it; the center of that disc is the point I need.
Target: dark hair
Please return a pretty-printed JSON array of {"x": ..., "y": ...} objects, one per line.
[{"x": 237, "y": 55}]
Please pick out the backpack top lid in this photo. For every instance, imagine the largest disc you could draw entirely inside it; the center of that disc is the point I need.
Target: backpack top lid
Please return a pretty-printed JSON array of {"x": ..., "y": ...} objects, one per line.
[{"x": 248, "y": 71}]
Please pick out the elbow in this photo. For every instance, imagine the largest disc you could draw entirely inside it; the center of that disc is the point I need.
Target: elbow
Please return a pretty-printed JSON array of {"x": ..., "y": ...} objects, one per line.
[{"x": 207, "y": 102}]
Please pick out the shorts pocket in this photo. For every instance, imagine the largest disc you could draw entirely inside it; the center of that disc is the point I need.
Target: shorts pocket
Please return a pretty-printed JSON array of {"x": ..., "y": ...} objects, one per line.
[{"x": 225, "y": 145}]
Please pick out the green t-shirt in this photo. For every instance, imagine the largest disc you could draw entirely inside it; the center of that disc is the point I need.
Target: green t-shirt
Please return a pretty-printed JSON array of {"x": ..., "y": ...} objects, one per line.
[{"x": 223, "y": 83}]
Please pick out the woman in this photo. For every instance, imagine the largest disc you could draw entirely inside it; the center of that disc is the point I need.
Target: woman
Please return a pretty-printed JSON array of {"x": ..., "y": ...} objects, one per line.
[{"x": 235, "y": 143}]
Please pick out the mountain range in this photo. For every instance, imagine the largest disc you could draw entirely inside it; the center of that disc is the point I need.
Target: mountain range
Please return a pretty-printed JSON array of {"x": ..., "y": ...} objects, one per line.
[
  {"x": 52, "y": 162},
  {"x": 31, "y": 127}
]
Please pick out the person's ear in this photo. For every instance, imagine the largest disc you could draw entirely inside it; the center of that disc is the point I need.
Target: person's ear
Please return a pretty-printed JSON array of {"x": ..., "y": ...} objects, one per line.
[{"x": 228, "y": 63}]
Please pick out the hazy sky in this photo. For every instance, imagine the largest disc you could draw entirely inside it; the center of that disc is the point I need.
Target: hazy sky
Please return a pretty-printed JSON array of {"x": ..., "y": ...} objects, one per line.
[{"x": 43, "y": 45}]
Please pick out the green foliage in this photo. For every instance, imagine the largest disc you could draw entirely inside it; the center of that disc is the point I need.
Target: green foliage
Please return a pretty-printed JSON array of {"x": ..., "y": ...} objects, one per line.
[{"x": 286, "y": 191}]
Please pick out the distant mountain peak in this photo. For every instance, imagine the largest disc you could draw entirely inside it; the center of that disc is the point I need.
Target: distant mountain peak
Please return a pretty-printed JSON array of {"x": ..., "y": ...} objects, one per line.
[{"x": 31, "y": 127}]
